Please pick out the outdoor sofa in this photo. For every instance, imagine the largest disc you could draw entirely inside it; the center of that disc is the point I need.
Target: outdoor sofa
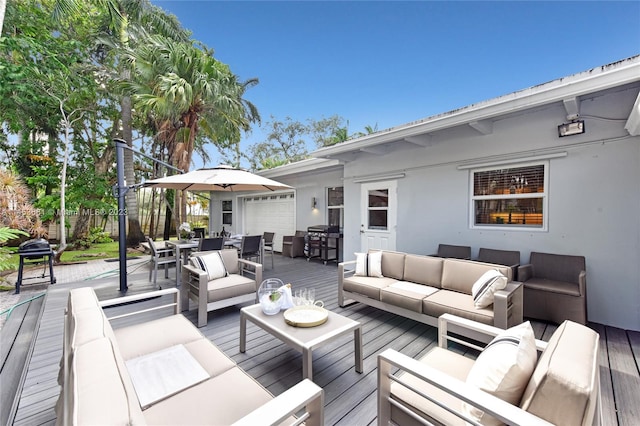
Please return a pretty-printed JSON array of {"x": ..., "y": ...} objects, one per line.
[
  {"x": 424, "y": 287},
  {"x": 522, "y": 382},
  {"x": 162, "y": 371},
  {"x": 213, "y": 284}
]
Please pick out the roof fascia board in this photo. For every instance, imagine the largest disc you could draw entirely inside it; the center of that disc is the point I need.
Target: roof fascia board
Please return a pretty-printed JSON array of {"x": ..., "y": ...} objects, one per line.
[
  {"x": 595, "y": 80},
  {"x": 303, "y": 166}
]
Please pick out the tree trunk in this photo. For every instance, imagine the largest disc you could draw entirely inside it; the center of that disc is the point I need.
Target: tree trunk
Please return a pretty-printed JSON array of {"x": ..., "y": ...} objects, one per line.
[
  {"x": 134, "y": 233},
  {"x": 81, "y": 228}
]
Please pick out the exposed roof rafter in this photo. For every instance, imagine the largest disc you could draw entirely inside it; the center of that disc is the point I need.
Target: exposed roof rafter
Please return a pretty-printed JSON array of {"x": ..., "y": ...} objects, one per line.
[
  {"x": 420, "y": 140},
  {"x": 485, "y": 127}
]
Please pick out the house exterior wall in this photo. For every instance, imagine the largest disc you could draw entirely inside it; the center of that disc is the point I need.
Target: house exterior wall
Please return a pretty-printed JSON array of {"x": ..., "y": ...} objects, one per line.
[
  {"x": 594, "y": 196},
  {"x": 308, "y": 186}
]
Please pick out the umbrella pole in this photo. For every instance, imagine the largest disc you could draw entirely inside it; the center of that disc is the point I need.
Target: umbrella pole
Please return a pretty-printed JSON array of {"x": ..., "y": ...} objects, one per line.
[{"x": 120, "y": 192}]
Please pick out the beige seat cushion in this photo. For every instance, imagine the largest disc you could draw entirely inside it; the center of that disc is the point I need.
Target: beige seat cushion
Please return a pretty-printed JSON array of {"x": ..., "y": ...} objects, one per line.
[
  {"x": 446, "y": 301},
  {"x": 98, "y": 394},
  {"x": 221, "y": 400},
  {"x": 152, "y": 336},
  {"x": 563, "y": 387},
  {"x": 367, "y": 286},
  {"x": 406, "y": 295},
  {"x": 448, "y": 362},
  {"x": 228, "y": 287}
]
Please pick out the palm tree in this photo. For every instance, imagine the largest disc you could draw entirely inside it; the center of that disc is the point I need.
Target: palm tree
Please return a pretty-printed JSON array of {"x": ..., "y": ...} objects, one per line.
[
  {"x": 125, "y": 20},
  {"x": 186, "y": 91}
]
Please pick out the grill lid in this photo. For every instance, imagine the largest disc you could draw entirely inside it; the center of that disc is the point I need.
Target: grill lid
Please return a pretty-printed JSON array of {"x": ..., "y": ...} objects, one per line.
[{"x": 39, "y": 245}]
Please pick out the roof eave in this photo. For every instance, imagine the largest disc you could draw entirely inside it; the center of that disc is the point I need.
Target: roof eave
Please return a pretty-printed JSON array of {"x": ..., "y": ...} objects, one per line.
[{"x": 566, "y": 88}]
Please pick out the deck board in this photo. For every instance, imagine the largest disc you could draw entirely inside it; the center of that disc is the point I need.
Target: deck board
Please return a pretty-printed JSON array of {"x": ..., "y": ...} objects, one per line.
[
  {"x": 624, "y": 377},
  {"x": 350, "y": 397}
]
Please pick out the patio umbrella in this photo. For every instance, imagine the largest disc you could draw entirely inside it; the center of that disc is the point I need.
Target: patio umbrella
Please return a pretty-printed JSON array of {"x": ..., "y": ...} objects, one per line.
[{"x": 221, "y": 178}]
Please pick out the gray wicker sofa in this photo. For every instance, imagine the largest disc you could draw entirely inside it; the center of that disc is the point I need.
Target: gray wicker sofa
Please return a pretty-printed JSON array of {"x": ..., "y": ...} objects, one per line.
[{"x": 424, "y": 287}]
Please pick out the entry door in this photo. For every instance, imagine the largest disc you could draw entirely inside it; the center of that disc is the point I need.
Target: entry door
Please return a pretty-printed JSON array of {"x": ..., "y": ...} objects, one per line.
[{"x": 378, "y": 215}]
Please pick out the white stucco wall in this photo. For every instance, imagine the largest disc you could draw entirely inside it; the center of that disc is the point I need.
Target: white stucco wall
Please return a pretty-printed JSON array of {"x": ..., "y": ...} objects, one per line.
[
  {"x": 308, "y": 186},
  {"x": 594, "y": 197}
]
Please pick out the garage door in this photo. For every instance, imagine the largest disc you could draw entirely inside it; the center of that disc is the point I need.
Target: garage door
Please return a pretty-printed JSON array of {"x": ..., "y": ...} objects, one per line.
[{"x": 270, "y": 213}]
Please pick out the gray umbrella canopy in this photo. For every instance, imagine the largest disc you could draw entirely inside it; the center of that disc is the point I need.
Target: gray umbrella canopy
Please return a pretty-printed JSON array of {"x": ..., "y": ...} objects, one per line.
[{"x": 221, "y": 178}]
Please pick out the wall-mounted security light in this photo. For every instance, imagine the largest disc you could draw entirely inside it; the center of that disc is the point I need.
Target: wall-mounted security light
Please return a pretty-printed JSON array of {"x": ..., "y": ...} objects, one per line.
[{"x": 570, "y": 129}]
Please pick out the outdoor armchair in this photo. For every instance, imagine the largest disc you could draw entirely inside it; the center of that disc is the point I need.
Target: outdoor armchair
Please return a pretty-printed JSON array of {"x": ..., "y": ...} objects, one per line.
[
  {"x": 509, "y": 258},
  {"x": 293, "y": 245},
  {"x": 561, "y": 385},
  {"x": 555, "y": 287},
  {"x": 456, "y": 252},
  {"x": 217, "y": 279}
]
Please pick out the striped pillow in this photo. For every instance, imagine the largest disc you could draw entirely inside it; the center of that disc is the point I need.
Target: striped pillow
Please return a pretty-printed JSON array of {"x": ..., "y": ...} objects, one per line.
[
  {"x": 369, "y": 264},
  {"x": 211, "y": 263},
  {"x": 485, "y": 287},
  {"x": 503, "y": 369}
]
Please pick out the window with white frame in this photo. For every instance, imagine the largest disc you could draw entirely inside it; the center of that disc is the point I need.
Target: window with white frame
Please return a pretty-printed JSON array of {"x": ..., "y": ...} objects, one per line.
[
  {"x": 512, "y": 197},
  {"x": 335, "y": 206},
  {"x": 227, "y": 212}
]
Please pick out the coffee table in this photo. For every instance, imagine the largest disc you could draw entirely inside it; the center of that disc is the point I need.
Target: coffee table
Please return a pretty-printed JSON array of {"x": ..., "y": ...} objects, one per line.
[{"x": 303, "y": 339}]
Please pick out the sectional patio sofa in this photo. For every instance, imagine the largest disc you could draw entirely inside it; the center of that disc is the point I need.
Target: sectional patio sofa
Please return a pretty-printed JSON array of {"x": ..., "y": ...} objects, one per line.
[
  {"x": 424, "y": 287},
  {"x": 162, "y": 371}
]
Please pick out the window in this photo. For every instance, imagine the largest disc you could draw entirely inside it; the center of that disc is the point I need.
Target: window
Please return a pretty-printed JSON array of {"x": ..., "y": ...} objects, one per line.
[
  {"x": 377, "y": 209},
  {"x": 510, "y": 197},
  {"x": 335, "y": 206},
  {"x": 227, "y": 212}
]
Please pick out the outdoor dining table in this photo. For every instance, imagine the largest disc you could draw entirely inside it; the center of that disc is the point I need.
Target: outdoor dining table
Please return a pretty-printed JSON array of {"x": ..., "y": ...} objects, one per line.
[{"x": 185, "y": 247}]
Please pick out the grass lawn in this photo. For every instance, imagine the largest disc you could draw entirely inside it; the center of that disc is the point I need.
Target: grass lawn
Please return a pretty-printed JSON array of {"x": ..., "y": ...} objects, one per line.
[{"x": 97, "y": 251}]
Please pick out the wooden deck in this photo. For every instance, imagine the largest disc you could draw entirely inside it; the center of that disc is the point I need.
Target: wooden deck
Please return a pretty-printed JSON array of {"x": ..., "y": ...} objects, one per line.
[{"x": 350, "y": 397}]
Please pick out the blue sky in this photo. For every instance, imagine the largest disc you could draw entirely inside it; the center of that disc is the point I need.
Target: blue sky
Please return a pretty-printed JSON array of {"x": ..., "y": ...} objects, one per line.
[{"x": 389, "y": 63}]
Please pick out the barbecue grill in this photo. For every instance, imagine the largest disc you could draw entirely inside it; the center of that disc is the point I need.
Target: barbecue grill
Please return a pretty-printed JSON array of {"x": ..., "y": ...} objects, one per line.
[
  {"x": 33, "y": 252},
  {"x": 323, "y": 241}
]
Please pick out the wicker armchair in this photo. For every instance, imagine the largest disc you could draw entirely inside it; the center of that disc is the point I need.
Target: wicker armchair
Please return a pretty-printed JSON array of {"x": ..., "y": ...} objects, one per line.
[{"x": 293, "y": 245}]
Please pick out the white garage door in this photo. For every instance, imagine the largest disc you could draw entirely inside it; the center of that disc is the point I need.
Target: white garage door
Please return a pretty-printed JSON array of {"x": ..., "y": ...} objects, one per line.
[{"x": 270, "y": 213}]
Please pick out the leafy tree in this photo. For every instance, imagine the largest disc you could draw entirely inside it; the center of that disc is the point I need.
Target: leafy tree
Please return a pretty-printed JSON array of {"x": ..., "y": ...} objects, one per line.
[
  {"x": 16, "y": 210},
  {"x": 329, "y": 131},
  {"x": 368, "y": 130},
  {"x": 286, "y": 143},
  {"x": 122, "y": 29},
  {"x": 185, "y": 91}
]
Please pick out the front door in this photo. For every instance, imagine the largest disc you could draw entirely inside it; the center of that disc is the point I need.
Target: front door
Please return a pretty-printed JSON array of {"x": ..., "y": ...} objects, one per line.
[{"x": 378, "y": 215}]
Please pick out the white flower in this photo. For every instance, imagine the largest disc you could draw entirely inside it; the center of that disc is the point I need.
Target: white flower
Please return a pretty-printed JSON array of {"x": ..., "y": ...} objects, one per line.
[{"x": 185, "y": 227}]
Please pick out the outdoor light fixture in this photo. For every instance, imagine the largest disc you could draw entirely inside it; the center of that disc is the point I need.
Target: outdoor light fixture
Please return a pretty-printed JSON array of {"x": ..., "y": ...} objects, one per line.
[
  {"x": 313, "y": 203},
  {"x": 570, "y": 129}
]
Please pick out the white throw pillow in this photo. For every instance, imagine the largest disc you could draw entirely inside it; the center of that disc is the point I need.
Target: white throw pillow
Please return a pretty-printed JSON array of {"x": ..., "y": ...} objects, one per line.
[
  {"x": 369, "y": 264},
  {"x": 486, "y": 286},
  {"x": 211, "y": 263},
  {"x": 504, "y": 368}
]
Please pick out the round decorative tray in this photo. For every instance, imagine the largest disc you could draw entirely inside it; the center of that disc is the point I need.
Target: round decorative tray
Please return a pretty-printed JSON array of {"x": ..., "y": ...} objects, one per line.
[{"x": 306, "y": 316}]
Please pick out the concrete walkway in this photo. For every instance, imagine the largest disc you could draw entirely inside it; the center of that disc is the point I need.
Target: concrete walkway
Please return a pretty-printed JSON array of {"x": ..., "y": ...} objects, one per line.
[{"x": 64, "y": 273}]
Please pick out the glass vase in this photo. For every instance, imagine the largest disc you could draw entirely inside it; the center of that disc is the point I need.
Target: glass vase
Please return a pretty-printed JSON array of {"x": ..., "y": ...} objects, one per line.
[{"x": 270, "y": 296}]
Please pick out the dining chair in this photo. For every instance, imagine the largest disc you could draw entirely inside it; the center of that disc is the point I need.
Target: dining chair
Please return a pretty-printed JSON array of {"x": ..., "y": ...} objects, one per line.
[
  {"x": 207, "y": 244},
  {"x": 161, "y": 256},
  {"x": 250, "y": 247},
  {"x": 267, "y": 241},
  {"x": 198, "y": 232}
]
